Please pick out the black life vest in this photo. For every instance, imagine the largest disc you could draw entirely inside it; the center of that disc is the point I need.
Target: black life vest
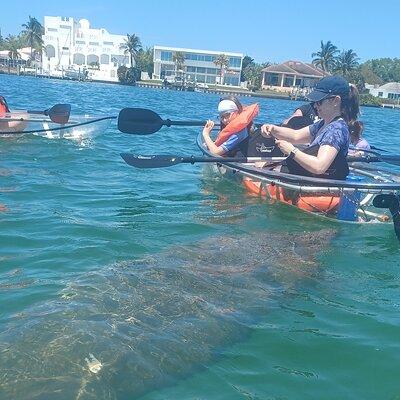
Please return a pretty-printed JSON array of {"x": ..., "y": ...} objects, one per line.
[
  {"x": 339, "y": 168},
  {"x": 256, "y": 145}
]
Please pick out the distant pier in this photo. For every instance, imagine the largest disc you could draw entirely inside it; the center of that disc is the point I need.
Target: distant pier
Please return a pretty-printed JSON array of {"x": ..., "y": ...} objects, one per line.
[{"x": 391, "y": 106}]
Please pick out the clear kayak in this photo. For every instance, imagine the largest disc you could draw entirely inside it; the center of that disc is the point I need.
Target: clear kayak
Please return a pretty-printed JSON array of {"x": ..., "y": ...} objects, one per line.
[
  {"x": 369, "y": 194},
  {"x": 78, "y": 126}
]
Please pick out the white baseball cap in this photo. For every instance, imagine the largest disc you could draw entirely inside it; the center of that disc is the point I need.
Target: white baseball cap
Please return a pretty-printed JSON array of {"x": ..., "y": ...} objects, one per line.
[{"x": 226, "y": 106}]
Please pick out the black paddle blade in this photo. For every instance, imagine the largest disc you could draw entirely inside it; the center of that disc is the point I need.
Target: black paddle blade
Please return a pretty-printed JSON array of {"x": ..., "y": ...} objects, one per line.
[
  {"x": 156, "y": 161},
  {"x": 139, "y": 121},
  {"x": 59, "y": 113},
  {"x": 385, "y": 201}
]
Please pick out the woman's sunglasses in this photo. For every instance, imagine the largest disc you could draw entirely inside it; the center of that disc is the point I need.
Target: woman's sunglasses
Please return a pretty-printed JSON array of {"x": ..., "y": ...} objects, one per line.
[{"x": 319, "y": 103}]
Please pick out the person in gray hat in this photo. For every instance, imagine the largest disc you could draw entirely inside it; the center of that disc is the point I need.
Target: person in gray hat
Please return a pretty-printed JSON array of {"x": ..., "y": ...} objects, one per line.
[{"x": 337, "y": 104}]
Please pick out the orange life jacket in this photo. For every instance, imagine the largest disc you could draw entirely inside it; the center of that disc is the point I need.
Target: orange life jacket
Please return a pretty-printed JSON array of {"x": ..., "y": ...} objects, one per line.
[
  {"x": 238, "y": 123},
  {"x": 3, "y": 106}
]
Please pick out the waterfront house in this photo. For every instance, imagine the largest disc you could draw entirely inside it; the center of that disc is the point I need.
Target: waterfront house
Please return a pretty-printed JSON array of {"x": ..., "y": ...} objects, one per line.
[
  {"x": 198, "y": 65},
  {"x": 389, "y": 90},
  {"x": 71, "y": 45},
  {"x": 291, "y": 74}
]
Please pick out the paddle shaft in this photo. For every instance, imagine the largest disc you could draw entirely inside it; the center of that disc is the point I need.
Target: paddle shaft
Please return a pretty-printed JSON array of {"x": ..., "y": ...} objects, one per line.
[
  {"x": 168, "y": 122},
  {"x": 193, "y": 159}
]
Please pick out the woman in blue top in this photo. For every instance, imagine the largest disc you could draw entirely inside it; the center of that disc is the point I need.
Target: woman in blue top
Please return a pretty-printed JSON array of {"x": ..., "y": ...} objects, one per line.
[{"x": 337, "y": 104}]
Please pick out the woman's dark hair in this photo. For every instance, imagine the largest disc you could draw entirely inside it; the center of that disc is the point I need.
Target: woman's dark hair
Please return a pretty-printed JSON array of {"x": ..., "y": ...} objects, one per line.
[
  {"x": 356, "y": 130},
  {"x": 350, "y": 110}
]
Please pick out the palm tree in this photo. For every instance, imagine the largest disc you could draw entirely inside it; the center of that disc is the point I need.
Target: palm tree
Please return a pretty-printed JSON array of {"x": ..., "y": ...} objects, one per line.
[
  {"x": 131, "y": 46},
  {"x": 33, "y": 33},
  {"x": 325, "y": 58},
  {"x": 222, "y": 62},
  {"x": 178, "y": 57},
  {"x": 12, "y": 45},
  {"x": 144, "y": 60},
  {"x": 346, "y": 62}
]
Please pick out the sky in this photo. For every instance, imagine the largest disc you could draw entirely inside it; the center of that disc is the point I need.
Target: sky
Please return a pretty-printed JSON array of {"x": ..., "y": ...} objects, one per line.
[{"x": 266, "y": 30}]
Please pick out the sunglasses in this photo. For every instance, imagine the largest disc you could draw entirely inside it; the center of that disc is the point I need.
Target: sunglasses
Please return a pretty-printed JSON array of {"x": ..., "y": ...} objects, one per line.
[{"x": 319, "y": 103}]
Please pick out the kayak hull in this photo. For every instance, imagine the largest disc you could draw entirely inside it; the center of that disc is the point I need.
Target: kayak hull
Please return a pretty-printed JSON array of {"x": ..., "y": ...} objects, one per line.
[
  {"x": 18, "y": 123},
  {"x": 343, "y": 201}
]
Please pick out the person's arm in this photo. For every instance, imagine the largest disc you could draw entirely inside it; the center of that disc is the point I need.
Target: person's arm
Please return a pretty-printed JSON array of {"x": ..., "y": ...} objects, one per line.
[
  {"x": 214, "y": 149},
  {"x": 315, "y": 164},
  {"x": 297, "y": 136}
]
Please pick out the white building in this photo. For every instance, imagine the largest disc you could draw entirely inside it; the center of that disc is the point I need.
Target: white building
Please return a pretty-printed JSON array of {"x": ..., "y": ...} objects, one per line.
[
  {"x": 73, "y": 45},
  {"x": 199, "y": 65},
  {"x": 389, "y": 90}
]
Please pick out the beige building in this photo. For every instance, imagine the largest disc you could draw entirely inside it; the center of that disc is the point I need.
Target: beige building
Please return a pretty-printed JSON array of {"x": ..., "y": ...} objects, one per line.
[{"x": 291, "y": 74}]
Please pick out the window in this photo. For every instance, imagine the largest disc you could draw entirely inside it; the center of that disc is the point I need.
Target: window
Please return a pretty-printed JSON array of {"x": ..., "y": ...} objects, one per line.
[
  {"x": 235, "y": 62},
  {"x": 65, "y": 48},
  {"x": 210, "y": 79},
  {"x": 166, "y": 56},
  {"x": 201, "y": 70},
  {"x": 64, "y": 18},
  {"x": 380, "y": 94},
  {"x": 212, "y": 71},
  {"x": 80, "y": 42},
  {"x": 231, "y": 80},
  {"x": 190, "y": 69},
  {"x": 271, "y": 79},
  {"x": 78, "y": 59},
  {"x": 108, "y": 44},
  {"x": 93, "y": 43},
  {"x": 65, "y": 27},
  {"x": 104, "y": 59},
  {"x": 167, "y": 67},
  {"x": 52, "y": 30},
  {"x": 201, "y": 78}
]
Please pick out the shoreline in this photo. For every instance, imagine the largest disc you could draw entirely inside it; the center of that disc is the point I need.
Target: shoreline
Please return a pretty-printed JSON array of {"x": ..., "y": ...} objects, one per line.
[{"x": 217, "y": 90}]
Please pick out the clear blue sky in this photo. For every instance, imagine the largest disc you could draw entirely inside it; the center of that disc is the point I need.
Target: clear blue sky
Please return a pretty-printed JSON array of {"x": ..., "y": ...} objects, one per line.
[{"x": 266, "y": 30}]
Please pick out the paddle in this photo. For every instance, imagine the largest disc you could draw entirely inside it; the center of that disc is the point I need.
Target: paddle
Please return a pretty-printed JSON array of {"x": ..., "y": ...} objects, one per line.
[
  {"x": 168, "y": 160},
  {"x": 160, "y": 161},
  {"x": 59, "y": 113},
  {"x": 387, "y": 158},
  {"x": 140, "y": 121}
]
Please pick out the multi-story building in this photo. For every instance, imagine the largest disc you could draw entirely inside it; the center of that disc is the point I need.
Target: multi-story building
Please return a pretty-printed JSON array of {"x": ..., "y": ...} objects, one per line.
[
  {"x": 198, "y": 66},
  {"x": 71, "y": 44}
]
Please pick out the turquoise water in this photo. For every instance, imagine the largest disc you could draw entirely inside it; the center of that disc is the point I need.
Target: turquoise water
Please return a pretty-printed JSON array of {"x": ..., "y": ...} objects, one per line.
[{"x": 173, "y": 282}]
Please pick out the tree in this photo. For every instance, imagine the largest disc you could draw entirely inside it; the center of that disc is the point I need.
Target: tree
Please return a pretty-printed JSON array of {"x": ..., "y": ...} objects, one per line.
[
  {"x": 387, "y": 69},
  {"x": 222, "y": 62},
  {"x": 325, "y": 58},
  {"x": 33, "y": 34},
  {"x": 144, "y": 60},
  {"x": 128, "y": 76},
  {"x": 346, "y": 62},
  {"x": 178, "y": 57},
  {"x": 369, "y": 75},
  {"x": 247, "y": 60},
  {"x": 131, "y": 46},
  {"x": 253, "y": 75},
  {"x": 12, "y": 44}
]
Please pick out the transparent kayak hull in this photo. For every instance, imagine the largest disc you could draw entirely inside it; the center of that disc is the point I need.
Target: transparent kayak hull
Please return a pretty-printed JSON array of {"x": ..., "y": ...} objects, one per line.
[
  {"x": 78, "y": 126},
  {"x": 369, "y": 194}
]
